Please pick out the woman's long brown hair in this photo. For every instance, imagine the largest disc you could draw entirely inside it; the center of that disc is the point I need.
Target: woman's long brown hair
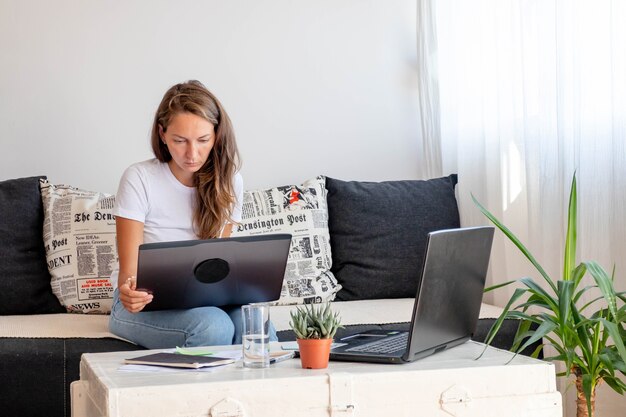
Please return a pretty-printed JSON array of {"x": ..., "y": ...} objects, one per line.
[{"x": 215, "y": 194}]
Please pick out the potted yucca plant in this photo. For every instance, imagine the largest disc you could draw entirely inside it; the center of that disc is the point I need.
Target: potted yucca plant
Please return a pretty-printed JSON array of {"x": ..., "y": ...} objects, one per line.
[
  {"x": 315, "y": 328},
  {"x": 589, "y": 338}
]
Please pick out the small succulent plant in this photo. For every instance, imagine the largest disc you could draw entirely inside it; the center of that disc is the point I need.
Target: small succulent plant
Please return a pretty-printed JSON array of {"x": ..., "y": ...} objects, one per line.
[{"x": 310, "y": 322}]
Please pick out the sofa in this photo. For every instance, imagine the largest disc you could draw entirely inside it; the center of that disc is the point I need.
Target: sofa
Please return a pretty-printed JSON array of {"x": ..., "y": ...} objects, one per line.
[{"x": 368, "y": 239}]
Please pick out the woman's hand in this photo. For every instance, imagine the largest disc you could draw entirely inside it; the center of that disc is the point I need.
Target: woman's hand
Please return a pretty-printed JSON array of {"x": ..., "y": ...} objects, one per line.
[
  {"x": 132, "y": 300},
  {"x": 129, "y": 237}
]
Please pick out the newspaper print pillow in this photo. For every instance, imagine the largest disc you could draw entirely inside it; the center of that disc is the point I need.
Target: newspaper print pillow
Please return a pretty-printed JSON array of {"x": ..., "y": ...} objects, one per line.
[
  {"x": 79, "y": 238},
  {"x": 302, "y": 211}
]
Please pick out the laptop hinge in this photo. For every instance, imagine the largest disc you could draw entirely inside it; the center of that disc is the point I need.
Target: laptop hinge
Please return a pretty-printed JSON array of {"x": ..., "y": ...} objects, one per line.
[{"x": 340, "y": 387}]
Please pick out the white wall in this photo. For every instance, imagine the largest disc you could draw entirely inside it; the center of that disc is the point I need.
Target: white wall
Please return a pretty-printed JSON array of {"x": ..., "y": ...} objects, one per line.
[{"x": 313, "y": 87}]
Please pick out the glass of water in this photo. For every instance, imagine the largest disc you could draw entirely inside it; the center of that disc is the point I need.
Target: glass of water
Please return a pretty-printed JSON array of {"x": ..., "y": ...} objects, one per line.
[{"x": 256, "y": 335}]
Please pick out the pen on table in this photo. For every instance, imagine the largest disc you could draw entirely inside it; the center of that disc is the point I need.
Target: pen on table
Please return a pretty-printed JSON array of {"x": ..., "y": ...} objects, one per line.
[{"x": 281, "y": 358}]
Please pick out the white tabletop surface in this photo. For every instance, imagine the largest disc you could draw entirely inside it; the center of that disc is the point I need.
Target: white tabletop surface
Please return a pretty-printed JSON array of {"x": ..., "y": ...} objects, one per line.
[{"x": 106, "y": 367}]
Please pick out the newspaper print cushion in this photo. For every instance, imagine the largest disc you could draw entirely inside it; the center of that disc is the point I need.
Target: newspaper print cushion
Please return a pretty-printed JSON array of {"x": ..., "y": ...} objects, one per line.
[
  {"x": 302, "y": 211},
  {"x": 79, "y": 239}
]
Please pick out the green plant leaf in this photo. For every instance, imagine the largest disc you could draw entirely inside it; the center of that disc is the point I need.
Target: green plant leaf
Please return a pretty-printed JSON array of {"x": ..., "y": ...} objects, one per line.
[
  {"x": 579, "y": 273},
  {"x": 614, "y": 332},
  {"x": 521, "y": 333},
  {"x": 605, "y": 283},
  {"x": 564, "y": 296},
  {"x": 536, "y": 301},
  {"x": 537, "y": 351},
  {"x": 498, "y": 323},
  {"x": 570, "y": 237},
  {"x": 322, "y": 329},
  {"x": 607, "y": 362},
  {"x": 495, "y": 287},
  {"x": 616, "y": 384},
  {"x": 520, "y": 315},
  {"x": 515, "y": 241},
  {"x": 545, "y": 328},
  {"x": 541, "y": 294},
  {"x": 581, "y": 325}
]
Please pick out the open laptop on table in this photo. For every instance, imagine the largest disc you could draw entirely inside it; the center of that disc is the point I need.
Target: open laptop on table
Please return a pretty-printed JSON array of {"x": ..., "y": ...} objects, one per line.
[
  {"x": 214, "y": 272},
  {"x": 447, "y": 303}
]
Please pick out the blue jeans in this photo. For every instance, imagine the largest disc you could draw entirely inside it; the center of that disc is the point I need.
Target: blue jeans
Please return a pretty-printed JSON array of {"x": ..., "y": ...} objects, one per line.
[{"x": 202, "y": 326}]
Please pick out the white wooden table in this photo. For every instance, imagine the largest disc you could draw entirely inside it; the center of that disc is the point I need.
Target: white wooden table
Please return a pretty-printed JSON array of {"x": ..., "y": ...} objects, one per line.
[{"x": 450, "y": 383}]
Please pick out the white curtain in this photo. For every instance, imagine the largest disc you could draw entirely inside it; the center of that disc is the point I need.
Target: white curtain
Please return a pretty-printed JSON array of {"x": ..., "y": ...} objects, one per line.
[{"x": 527, "y": 93}]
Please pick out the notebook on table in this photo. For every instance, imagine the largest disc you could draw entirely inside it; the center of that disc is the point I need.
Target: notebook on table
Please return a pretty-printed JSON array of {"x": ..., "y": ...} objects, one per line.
[
  {"x": 446, "y": 307},
  {"x": 177, "y": 360},
  {"x": 214, "y": 272}
]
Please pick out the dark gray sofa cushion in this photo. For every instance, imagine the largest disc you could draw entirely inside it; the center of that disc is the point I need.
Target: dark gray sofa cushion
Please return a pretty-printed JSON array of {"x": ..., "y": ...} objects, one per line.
[
  {"x": 378, "y": 232},
  {"x": 24, "y": 277}
]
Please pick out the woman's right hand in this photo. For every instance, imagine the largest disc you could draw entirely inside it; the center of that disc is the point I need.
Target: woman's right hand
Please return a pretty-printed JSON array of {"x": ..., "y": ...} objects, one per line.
[
  {"x": 132, "y": 300},
  {"x": 129, "y": 237}
]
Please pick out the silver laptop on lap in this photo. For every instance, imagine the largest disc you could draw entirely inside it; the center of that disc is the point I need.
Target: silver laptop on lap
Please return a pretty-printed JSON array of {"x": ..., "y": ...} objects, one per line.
[{"x": 447, "y": 303}]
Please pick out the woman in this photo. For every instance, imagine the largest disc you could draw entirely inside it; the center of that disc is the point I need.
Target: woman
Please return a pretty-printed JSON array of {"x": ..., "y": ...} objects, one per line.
[{"x": 190, "y": 190}]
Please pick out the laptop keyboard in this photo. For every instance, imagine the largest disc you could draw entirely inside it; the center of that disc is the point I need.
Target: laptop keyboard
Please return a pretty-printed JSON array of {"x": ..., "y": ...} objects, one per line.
[{"x": 386, "y": 345}]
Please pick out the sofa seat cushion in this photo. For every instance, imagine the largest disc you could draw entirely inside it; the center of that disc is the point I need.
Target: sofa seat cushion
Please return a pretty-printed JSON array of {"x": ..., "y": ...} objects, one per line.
[
  {"x": 64, "y": 325},
  {"x": 92, "y": 326}
]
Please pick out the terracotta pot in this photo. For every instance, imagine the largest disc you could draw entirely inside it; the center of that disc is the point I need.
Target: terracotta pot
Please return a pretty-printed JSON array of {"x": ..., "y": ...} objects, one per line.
[{"x": 314, "y": 353}]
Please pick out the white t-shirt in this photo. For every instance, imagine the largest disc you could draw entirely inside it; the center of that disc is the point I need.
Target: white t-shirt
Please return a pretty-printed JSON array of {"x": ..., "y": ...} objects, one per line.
[{"x": 148, "y": 192}]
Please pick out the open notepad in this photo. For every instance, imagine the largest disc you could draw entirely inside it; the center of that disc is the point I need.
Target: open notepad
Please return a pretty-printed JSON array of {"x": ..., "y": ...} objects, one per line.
[{"x": 177, "y": 360}]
